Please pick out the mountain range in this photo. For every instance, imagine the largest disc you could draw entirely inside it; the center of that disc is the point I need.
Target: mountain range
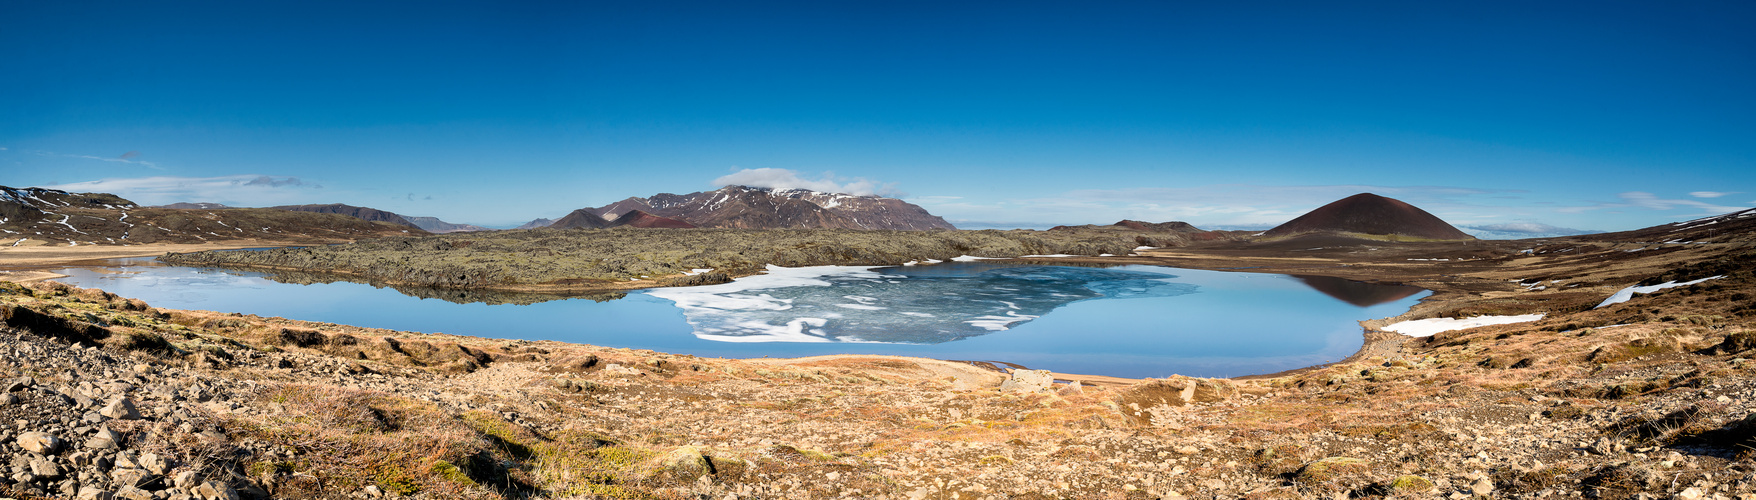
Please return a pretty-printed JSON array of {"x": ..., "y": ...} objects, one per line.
[{"x": 744, "y": 207}]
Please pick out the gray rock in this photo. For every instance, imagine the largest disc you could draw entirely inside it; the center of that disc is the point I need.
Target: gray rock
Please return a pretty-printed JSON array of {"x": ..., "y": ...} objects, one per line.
[
  {"x": 128, "y": 492},
  {"x": 154, "y": 463},
  {"x": 210, "y": 490},
  {"x": 45, "y": 469},
  {"x": 90, "y": 493},
  {"x": 8, "y": 399},
  {"x": 1028, "y": 381},
  {"x": 105, "y": 439},
  {"x": 129, "y": 477},
  {"x": 121, "y": 409},
  {"x": 1482, "y": 487},
  {"x": 186, "y": 480},
  {"x": 41, "y": 443}
]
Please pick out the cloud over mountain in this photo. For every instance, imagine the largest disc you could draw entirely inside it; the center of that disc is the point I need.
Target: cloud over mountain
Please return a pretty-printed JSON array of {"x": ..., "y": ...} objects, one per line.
[{"x": 780, "y": 178}]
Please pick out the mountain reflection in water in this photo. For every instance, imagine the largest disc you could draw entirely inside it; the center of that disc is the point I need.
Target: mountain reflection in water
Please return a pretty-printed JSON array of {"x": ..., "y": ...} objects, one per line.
[{"x": 1358, "y": 293}]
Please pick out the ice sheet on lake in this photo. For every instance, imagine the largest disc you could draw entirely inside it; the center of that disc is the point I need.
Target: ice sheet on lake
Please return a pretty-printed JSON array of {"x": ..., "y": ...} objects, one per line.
[{"x": 915, "y": 305}]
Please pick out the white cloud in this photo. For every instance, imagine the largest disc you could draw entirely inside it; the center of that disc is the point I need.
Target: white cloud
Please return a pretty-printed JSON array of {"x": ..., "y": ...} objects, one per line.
[
  {"x": 1648, "y": 200},
  {"x": 780, "y": 178},
  {"x": 127, "y": 158},
  {"x": 234, "y": 190},
  {"x": 1708, "y": 194}
]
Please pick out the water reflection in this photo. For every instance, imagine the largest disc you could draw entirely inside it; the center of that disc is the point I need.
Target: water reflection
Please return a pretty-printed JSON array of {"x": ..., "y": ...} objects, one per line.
[
  {"x": 456, "y": 295},
  {"x": 1358, "y": 293}
]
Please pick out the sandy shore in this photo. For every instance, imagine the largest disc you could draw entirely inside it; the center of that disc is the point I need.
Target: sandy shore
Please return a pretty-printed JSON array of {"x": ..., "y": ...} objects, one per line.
[{"x": 33, "y": 263}]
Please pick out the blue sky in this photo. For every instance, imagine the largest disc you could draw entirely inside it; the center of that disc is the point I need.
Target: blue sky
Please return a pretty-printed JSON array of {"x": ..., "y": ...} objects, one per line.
[{"x": 1590, "y": 115}]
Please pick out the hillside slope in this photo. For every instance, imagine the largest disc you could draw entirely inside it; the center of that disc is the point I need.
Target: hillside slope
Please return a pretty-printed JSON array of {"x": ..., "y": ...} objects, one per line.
[{"x": 36, "y": 216}]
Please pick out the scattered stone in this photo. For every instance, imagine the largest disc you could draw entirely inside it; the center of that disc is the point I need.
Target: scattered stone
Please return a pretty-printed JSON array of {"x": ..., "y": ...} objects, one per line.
[
  {"x": 186, "y": 480},
  {"x": 45, "y": 469},
  {"x": 1482, "y": 487},
  {"x": 104, "y": 439},
  {"x": 210, "y": 490},
  {"x": 131, "y": 492},
  {"x": 121, "y": 409},
  {"x": 41, "y": 443},
  {"x": 91, "y": 493}
]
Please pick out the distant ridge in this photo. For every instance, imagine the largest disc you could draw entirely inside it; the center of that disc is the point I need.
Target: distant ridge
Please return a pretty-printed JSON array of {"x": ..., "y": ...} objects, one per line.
[
  {"x": 540, "y": 222},
  {"x": 362, "y": 213},
  {"x": 1370, "y": 214},
  {"x": 436, "y": 226},
  {"x": 193, "y": 206}
]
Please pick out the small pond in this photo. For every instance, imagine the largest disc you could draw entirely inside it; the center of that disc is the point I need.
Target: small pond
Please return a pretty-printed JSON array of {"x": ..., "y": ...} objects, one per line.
[{"x": 1126, "y": 321}]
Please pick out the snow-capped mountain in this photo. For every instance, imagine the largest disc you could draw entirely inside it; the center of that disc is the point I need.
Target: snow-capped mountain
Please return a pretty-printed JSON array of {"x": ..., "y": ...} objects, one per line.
[{"x": 764, "y": 208}]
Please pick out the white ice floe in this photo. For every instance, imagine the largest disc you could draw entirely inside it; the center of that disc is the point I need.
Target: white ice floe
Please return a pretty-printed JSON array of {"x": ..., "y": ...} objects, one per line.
[
  {"x": 998, "y": 323},
  {"x": 1428, "y": 327},
  {"x": 917, "y": 314},
  {"x": 1144, "y": 248},
  {"x": 862, "y": 307},
  {"x": 972, "y": 258},
  {"x": 1627, "y": 294}
]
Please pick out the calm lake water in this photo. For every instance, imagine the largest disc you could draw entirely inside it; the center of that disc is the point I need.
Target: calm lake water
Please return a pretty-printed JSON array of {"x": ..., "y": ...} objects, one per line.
[{"x": 1128, "y": 321}]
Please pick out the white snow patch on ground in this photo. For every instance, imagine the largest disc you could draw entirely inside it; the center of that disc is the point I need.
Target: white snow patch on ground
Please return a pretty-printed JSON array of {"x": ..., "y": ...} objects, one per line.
[
  {"x": 1145, "y": 248},
  {"x": 1627, "y": 294},
  {"x": 693, "y": 272},
  {"x": 1053, "y": 255},
  {"x": 972, "y": 258},
  {"x": 1428, "y": 327}
]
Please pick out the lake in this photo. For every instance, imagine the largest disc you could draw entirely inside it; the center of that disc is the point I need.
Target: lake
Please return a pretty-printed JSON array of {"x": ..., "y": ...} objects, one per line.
[{"x": 1125, "y": 321}]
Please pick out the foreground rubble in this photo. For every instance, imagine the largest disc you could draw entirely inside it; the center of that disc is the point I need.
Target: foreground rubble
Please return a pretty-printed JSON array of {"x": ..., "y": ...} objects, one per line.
[{"x": 106, "y": 397}]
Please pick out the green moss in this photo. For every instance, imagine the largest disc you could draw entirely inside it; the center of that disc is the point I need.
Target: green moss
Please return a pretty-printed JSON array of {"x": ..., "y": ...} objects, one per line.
[{"x": 450, "y": 472}]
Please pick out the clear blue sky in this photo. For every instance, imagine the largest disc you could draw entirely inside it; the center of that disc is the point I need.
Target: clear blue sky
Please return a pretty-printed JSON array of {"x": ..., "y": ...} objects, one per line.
[{"x": 1591, "y": 115}]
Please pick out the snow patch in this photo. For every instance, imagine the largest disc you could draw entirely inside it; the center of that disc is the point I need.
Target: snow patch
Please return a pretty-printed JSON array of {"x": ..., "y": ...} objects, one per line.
[
  {"x": 1627, "y": 294},
  {"x": 1428, "y": 327},
  {"x": 972, "y": 258}
]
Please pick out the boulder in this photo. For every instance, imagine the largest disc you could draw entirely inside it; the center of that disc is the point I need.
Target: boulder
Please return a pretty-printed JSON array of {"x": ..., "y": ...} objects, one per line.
[
  {"x": 41, "y": 443},
  {"x": 1029, "y": 381},
  {"x": 121, "y": 409}
]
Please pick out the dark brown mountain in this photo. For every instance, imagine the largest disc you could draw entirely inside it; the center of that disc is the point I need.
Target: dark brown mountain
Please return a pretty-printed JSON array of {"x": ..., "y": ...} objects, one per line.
[
  {"x": 1370, "y": 215},
  {"x": 586, "y": 219},
  {"x": 762, "y": 208},
  {"x": 37, "y": 216},
  {"x": 362, "y": 213},
  {"x": 1735, "y": 226},
  {"x": 638, "y": 218},
  {"x": 583, "y": 218}
]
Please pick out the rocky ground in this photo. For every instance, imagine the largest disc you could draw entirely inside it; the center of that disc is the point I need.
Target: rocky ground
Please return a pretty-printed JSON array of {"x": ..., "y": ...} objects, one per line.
[{"x": 107, "y": 397}]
